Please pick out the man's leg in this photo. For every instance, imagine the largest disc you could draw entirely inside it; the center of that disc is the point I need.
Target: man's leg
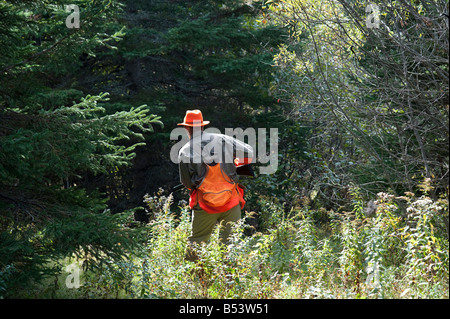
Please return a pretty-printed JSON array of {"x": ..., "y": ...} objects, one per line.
[
  {"x": 227, "y": 220},
  {"x": 202, "y": 227}
]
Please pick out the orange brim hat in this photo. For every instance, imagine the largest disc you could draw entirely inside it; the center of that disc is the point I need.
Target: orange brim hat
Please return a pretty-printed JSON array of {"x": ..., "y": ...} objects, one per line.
[{"x": 193, "y": 118}]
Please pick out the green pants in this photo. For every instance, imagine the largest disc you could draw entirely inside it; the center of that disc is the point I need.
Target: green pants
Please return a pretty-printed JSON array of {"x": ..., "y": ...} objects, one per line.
[{"x": 203, "y": 226}]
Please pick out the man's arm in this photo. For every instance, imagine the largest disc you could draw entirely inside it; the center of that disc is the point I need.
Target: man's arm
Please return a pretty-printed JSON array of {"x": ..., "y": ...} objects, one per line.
[
  {"x": 191, "y": 174},
  {"x": 186, "y": 170}
]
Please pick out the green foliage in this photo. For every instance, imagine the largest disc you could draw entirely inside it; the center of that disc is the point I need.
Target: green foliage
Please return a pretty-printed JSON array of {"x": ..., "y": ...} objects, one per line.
[
  {"x": 205, "y": 51},
  {"x": 52, "y": 134},
  {"x": 388, "y": 255},
  {"x": 353, "y": 120},
  {"x": 39, "y": 151},
  {"x": 174, "y": 56},
  {"x": 372, "y": 105}
]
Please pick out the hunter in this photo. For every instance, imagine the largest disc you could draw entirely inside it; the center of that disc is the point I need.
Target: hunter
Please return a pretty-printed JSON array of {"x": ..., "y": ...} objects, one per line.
[{"x": 207, "y": 166}]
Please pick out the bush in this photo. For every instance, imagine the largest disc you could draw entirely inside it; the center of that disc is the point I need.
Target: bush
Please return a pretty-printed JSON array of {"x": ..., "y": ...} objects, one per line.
[{"x": 399, "y": 252}]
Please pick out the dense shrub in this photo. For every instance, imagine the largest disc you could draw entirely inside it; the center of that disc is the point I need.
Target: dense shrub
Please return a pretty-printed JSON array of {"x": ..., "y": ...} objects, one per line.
[{"x": 399, "y": 252}]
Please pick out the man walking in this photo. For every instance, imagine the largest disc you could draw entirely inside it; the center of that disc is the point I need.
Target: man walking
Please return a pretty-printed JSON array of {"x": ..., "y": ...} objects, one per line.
[{"x": 207, "y": 168}]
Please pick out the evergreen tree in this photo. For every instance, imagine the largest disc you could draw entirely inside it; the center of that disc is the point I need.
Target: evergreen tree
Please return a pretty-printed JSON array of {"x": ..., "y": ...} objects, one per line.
[
  {"x": 179, "y": 55},
  {"x": 52, "y": 133},
  {"x": 69, "y": 151}
]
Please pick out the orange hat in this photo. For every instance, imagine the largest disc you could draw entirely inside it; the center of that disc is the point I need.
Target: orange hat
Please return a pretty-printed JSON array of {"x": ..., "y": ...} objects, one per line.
[{"x": 194, "y": 118}]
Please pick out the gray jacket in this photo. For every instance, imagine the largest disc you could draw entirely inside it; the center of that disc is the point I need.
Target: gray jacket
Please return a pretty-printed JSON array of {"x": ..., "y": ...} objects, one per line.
[{"x": 210, "y": 148}]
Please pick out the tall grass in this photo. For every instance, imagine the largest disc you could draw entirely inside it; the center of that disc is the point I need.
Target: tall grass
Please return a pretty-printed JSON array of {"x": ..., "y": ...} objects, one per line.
[{"x": 399, "y": 252}]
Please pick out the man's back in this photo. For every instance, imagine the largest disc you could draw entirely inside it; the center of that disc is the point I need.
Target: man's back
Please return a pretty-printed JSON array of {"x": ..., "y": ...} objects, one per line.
[{"x": 209, "y": 149}]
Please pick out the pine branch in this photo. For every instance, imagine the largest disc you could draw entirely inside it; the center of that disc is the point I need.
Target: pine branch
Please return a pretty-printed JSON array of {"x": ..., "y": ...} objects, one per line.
[{"x": 34, "y": 56}]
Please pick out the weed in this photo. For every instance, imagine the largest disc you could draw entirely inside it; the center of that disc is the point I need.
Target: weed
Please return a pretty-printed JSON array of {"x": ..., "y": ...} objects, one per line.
[{"x": 393, "y": 253}]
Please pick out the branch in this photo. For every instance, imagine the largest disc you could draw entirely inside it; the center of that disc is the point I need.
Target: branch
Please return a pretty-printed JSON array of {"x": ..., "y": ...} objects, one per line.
[{"x": 34, "y": 56}]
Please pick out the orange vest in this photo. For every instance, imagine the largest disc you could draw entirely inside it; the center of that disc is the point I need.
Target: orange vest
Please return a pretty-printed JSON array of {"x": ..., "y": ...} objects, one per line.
[{"x": 217, "y": 193}]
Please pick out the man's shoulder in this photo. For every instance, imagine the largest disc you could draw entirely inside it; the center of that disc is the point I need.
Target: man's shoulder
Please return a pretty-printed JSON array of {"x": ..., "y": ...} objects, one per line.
[
  {"x": 203, "y": 140},
  {"x": 185, "y": 146},
  {"x": 207, "y": 135},
  {"x": 218, "y": 137}
]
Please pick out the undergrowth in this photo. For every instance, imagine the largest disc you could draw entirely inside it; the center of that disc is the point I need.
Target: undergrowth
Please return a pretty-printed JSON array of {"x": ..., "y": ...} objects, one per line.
[{"x": 401, "y": 251}]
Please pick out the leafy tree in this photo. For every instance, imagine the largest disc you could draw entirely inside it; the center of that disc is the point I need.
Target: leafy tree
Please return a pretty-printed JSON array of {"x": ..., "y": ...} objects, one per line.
[{"x": 377, "y": 94}]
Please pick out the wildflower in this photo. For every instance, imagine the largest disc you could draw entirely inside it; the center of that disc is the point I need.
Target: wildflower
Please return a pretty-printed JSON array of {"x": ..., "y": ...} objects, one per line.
[{"x": 384, "y": 196}]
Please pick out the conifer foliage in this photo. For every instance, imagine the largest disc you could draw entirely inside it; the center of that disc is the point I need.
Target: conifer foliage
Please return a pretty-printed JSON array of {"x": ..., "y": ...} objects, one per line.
[{"x": 53, "y": 132}]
